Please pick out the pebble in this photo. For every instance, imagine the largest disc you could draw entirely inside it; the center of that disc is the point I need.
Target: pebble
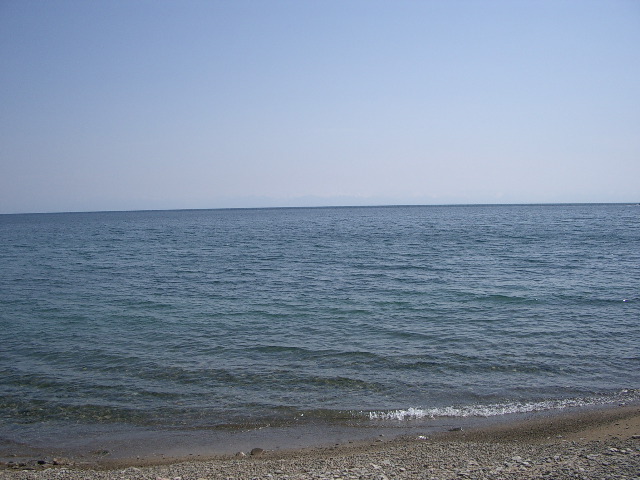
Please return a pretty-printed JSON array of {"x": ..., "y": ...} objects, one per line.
[
  {"x": 416, "y": 460},
  {"x": 257, "y": 451}
]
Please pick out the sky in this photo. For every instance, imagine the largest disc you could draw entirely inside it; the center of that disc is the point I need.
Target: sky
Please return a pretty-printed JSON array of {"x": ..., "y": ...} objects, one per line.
[{"x": 156, "y": 104}]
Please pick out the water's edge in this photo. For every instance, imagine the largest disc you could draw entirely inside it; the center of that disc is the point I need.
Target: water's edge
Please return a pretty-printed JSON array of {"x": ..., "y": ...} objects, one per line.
[{"x": 131, "y": 445}]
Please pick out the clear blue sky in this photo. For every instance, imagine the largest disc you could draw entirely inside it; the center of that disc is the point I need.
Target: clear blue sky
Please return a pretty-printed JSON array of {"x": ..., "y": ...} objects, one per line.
[{"x": 124, "y": 105}]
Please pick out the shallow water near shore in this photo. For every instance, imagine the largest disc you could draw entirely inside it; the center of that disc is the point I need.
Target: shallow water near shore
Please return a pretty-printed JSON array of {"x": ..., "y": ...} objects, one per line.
[
  {"x": 110, "y": 447},
  {"x": 201, "y": 323}
]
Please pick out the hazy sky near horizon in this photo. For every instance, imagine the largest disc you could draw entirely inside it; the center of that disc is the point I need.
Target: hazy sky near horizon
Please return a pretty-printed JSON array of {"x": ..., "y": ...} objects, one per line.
[{"x": 124, "y": 105}]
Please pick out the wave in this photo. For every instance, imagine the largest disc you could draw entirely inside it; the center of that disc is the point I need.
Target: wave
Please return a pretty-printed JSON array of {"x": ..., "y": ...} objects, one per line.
[{"x": 491, "y": 410}]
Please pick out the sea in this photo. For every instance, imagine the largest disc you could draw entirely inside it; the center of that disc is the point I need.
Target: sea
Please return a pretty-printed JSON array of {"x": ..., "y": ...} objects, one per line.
[{"x": 195, "y": 326}]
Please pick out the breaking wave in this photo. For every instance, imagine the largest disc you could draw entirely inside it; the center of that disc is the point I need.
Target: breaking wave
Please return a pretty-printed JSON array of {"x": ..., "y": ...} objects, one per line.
[{"x": 496, "y": 409}]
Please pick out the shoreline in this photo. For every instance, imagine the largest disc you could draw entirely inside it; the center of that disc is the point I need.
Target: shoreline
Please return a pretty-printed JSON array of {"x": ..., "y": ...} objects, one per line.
[{"x": 587, "y": 443}]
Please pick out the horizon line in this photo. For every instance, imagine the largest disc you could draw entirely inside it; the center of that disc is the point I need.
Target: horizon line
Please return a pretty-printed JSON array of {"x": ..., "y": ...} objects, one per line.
[{"x": 289, "y": 207}]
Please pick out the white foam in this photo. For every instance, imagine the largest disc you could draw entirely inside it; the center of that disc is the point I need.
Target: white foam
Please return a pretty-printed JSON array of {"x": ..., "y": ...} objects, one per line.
[{"x": 497, "y": 408}]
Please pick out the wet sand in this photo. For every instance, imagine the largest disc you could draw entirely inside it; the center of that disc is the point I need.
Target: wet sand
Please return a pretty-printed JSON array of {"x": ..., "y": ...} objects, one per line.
[{"x": 599, "y": 443}]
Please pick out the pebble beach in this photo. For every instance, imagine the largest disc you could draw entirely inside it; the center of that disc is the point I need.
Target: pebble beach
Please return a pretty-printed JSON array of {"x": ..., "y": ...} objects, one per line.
[{"x": 593, "y": 444}]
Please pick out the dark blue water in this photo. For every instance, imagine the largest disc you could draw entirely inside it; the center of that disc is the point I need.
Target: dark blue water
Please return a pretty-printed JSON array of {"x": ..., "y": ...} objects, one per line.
[{"x": 205, "y": 319}]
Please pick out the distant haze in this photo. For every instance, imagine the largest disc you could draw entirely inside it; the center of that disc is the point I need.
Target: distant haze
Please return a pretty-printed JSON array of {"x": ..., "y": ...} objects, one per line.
[{"x": 119, "y": 105}]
